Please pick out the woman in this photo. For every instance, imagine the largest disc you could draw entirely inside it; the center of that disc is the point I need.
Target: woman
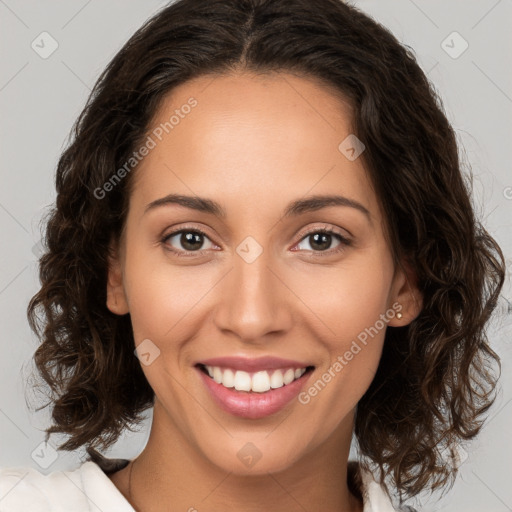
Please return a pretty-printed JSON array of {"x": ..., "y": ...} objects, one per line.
[{"x": 263, "y": 200}]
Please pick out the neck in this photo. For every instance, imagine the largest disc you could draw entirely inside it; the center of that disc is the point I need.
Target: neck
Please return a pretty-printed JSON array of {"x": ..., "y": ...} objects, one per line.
[{"x": 171, "y": 475}]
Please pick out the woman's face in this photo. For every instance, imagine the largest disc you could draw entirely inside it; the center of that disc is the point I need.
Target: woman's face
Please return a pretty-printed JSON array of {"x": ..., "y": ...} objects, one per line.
[{"x": 263, "y": 281}]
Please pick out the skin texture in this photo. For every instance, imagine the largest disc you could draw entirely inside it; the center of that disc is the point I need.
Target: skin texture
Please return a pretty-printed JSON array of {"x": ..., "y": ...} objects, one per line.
[{"x": 253, "y": 143}]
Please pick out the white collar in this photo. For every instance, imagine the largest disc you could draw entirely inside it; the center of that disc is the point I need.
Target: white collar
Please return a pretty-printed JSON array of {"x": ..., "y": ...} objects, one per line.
[{"x": 375, "y": 497}]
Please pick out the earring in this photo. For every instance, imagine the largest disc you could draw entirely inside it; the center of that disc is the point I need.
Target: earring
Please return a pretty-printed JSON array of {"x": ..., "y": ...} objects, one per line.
[{"x": 399, "y": 315}]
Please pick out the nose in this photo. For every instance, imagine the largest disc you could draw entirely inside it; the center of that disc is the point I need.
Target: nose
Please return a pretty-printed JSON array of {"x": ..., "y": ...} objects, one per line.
[{"x": 254, "y": 302}]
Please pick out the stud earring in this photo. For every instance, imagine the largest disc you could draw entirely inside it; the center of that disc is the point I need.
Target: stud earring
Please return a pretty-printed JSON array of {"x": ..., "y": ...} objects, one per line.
[{"x": 399, "y": 315}]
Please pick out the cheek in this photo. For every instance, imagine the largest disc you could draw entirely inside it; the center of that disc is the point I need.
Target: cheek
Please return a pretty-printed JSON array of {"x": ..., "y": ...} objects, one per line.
[
  {"x": 353, "y": 359},
  {"x": 345, "y": 299},
  {"x": 352, "y": 306},
  {"x": 162, "y": 297}
]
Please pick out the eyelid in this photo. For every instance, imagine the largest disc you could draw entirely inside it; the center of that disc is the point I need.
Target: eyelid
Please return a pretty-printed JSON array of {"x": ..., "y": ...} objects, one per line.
[
  {"x": 325, "y": 228},
  {"x": 345, "y": 241}
]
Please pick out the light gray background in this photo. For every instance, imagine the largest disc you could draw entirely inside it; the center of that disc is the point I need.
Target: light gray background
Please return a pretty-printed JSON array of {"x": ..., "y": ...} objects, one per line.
[{"x": 41, "y": 98}]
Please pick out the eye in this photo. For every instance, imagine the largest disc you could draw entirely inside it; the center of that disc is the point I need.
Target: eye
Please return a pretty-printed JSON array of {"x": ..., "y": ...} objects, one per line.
[
  {"x": 187, "y": 240},
  {"x": 193, "y": 242},
  {"x": 321, "y": 240}
]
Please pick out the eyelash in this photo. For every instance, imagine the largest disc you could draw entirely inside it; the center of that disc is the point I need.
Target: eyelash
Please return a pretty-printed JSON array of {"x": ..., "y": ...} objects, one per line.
[{"x": 344, "y": 242}]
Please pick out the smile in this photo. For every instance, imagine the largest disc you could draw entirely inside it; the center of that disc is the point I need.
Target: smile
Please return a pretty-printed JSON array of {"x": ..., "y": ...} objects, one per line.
[
  {"x": 253, "y": 392},
  {"x": 258, "y": 382}
]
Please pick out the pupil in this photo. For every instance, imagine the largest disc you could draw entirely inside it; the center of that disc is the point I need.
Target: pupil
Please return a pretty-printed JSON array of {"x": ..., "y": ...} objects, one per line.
[
  {"x": 191, "y": 241},
  {"x": 320, "y": 240}
]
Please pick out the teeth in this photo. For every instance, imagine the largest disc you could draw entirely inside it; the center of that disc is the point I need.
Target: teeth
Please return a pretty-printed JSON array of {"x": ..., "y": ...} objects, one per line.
[
  {"x": 276, "y": 381},
  {"x": 217, "y": 374},
  {"x": 242, "y": 381},
  {"x": 289, "y": 376},
  {"x": 228, "y": 379},
  {"x": 258, "y": 382}
]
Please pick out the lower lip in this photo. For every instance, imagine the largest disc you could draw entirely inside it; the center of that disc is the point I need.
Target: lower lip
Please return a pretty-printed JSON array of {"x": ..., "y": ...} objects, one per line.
[{"x": 253, "y": 405}]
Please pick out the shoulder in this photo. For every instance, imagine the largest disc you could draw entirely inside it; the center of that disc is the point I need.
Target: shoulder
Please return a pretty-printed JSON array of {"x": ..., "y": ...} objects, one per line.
[
  {"x": 86, "y": 488},
  {"x": 375, "y": 496}
]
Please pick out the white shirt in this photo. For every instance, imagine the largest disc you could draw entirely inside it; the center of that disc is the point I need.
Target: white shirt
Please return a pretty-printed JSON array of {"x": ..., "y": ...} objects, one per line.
[{"x": 89, "y": 489}]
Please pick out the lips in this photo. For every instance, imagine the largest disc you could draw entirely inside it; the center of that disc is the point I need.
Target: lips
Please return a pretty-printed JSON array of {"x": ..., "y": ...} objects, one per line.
[{"x": 253, "y": 388}]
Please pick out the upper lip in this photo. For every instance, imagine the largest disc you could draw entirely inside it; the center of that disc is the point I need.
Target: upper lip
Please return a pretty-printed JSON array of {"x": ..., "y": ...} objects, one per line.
[{"x": 249, "y": 364}]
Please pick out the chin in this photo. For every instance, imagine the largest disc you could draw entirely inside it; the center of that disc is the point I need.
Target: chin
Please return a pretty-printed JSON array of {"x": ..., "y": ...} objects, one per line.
[{"x": 244, "y": 457}]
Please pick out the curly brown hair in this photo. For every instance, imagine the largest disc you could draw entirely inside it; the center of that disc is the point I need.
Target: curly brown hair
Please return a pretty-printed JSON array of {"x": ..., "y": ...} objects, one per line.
[{"x": 437, "y": 375}]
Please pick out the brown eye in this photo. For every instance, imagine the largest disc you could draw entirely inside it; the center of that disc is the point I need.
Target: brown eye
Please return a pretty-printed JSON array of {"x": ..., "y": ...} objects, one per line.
[
  {"x": 322, "y": 241},
  {"x": 187, "y": 240}
]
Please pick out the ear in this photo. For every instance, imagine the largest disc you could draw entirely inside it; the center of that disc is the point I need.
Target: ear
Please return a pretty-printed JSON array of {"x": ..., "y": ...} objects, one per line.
[
  {"x": 117, "y": 302},
  {"x": 405, "y": 296}
]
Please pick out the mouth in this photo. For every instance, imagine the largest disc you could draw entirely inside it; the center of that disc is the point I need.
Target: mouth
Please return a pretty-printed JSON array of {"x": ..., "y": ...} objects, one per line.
[
  {"x": 256, "y": 382},
  {"x": 253, "y": 394}
]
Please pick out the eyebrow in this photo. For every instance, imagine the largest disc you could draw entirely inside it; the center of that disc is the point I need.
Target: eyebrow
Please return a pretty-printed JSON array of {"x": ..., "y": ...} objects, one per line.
[{"x": 295, "y": 208}]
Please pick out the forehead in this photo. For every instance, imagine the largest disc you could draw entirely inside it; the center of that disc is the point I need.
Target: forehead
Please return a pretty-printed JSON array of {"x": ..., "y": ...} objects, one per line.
[{"x": 251, "y": 141}]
